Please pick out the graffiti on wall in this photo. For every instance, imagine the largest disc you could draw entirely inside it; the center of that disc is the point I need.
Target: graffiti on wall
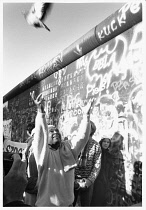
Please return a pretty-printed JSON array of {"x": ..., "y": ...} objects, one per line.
[
  {"x": 119, "y": 20},
  {"x": 112, "y": 75},
  {"x": 14, "y": 147}
]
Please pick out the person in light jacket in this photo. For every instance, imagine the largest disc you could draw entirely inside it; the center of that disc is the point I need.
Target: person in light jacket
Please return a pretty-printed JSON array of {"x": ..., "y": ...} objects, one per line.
[{"x": 56, "y": 159}]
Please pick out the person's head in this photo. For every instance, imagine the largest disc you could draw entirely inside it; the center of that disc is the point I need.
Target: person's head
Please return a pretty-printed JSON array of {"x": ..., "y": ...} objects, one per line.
[
  {"x": 138, "y": 167},
  {"x": 105, "y": 143},
  {"x": 117, "y": 141},
  {"x": 93, "y": 128},
  {"x": 29, "y": 128},
  {"x": 54, "y": 137}
]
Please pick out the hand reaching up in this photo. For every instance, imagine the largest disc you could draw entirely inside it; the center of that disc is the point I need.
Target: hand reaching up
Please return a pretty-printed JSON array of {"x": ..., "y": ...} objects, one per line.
[
  {"x": 86, "y": 110},
  {"x": 39, "y": 101},
  {"x": 14, "y": 183}
]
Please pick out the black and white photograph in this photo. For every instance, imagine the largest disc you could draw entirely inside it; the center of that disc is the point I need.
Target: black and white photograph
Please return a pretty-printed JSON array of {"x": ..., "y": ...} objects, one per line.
[{"x": 73, "y": 112}]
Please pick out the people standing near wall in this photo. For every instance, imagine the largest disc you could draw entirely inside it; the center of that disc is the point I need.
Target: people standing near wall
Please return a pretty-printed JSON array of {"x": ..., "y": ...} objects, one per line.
[
  {"x": 137, "y": 183},
  {"x": 102, "y": 181},
  {"x": 88, "y": 169},
  {"x": 56, "y": 159},
  {"x": 32, "y": 173},
  {"x": 117, "y": 171}
]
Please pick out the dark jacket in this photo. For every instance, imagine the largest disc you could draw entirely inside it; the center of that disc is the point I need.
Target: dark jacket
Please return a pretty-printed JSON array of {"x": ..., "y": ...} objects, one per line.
[
  {"x": 101, "y": 183},
  {"x": 16, "y": 204}
]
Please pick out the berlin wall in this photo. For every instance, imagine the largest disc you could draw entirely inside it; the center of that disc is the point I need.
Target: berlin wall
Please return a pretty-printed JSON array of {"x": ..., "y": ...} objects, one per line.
[{"x": 105, "y": 64}]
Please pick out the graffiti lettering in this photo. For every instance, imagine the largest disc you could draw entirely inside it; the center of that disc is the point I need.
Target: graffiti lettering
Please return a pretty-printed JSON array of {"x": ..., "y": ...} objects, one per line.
[
  {"x": 80, "y": 62},
  {"x": 73, "y": 102},
  {"x": 109, "y": 59},
  {"x": 134, "y": 8},
  {"x": 112, "y": 25},
  {"x": 118, "y": 85},
  {"x": 75, "y": 112},
  {"x": 13, "y": 149},
  {"x": 54, "y": 64},
  {"x": 50, "y": 85},
  {"x": 57, "y": 61},
  {"x": 120, "y": 20},
  {"x": 103, "y": 83}
]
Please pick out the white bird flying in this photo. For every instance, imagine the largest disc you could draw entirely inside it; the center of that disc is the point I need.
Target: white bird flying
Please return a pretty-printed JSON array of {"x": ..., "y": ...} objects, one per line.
[{"x": 37, "y": 14}]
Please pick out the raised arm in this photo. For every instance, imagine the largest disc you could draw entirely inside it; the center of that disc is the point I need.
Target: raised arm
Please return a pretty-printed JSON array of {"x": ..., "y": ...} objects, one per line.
[
  {"x": 41, "y": 131},
  {"x": 78, "y": 142}
]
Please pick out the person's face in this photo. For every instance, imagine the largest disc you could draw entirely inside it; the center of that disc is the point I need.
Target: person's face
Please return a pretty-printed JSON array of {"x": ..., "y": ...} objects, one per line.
[
  {"x": 54, "y": 135},
  {"x": 117, "y": 140},
  {"x": 105, "y": 143},
  {"x": 116, "y": 137}
]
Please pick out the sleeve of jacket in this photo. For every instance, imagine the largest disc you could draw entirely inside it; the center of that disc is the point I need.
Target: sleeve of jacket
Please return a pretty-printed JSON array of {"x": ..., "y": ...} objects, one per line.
[
  {"x": 96, "y": 164},
  {"x": 40, "y": 138},
  {"x": 80, "y": 140}
]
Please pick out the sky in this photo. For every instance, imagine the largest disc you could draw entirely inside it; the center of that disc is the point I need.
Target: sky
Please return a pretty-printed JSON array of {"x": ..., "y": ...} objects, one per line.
[{"x": 26, "y": 49}]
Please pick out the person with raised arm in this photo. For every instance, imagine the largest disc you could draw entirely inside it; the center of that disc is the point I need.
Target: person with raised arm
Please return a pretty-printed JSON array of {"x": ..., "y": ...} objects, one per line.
[{"x": 56, "y": 159}]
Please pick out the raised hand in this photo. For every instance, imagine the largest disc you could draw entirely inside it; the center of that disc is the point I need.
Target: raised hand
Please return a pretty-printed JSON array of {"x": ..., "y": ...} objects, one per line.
[
  {"x": 86, "y": 110},
  {"x": 39, "y": 101},
  {"x": 15, "y": 181}
]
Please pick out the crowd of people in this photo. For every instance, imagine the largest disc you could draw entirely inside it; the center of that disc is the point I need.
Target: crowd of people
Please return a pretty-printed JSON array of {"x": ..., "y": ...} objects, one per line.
[{"x": 53, "y": 172}]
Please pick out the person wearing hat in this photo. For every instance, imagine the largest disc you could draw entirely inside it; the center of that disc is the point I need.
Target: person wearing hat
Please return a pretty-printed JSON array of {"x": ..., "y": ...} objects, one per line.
[
  {"x": 56, "y": 159},
  {"x": 87, "y": 169}
]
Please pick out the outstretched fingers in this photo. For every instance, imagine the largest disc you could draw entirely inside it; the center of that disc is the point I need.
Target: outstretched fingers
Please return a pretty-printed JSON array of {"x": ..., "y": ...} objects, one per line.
[
  {"x": 32, "y": 94},
  {"x": 37, "y": 100},
  {"x": 88, "y": 107},
  {"x": 39, "y": 97}
]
